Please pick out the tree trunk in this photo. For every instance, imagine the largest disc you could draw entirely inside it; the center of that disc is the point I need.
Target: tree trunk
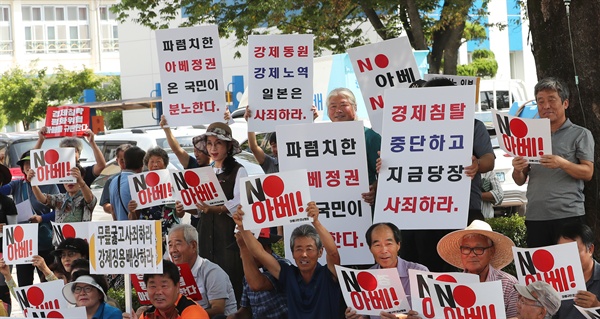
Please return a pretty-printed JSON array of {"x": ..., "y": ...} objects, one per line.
[{"x": 552, "y": 53}]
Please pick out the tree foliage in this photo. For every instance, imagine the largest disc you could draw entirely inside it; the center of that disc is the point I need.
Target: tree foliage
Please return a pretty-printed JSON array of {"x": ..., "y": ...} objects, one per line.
[
  {"x": 336, "y": 24},
  {"x": 483, "y": 65},
  {"x": 22, "y": 96},
  {"x": 111, "y": 90}
]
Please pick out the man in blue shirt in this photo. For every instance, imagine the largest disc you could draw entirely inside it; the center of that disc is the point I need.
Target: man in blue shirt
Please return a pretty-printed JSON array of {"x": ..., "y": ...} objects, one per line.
[{"x": 119, "y": 188}]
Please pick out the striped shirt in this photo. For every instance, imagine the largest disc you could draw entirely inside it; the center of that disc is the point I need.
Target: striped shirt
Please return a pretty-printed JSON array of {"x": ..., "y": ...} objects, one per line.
[{"x": 508, "y": 290}]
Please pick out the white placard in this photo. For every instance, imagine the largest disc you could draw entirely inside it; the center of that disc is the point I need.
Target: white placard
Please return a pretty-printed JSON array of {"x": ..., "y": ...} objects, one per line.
[
  {"x": 20, "y": 243},
  {"x": 558, "y": 265},
  {"x": 380, "y": 66},
  {"x": 24, "y": 211},
  {"x": 457, "y": 300},
  {"x": 427, "y": 141},
  {"x": 62, "y": 231},
  {"x": 275, "y": 199},
  {"x": 45, "y": 295},
  {"x": 151, "y": 188},
  {"x": 191, "y": 75},
  {"x": 589, "y": 313},
  {"x": 126, "y": 247},
  {"x": 197, "y": 184},
  {"x": 337, "y": 176},
  {"x": 529, "y": 138},
  {"x": 53, "y": 166},
  {"x": 280, "y": 69}
]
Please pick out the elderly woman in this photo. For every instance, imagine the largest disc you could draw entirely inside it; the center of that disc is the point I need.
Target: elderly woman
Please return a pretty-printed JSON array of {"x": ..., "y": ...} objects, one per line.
[
  {"x": 216, "y": 225},
  {"x": 89, "y": 291},
  {"x": 538, "y": 300}
]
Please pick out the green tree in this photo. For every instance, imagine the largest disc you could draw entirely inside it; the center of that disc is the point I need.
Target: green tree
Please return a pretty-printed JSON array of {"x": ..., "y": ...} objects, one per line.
[
  {"x": 66, "y": 86},
  {"x": 335, "y": 24},
  {"x": 22, "y": 96},
  {"x": 111, "y": 90},
  {"x": 483, "y": 65}
]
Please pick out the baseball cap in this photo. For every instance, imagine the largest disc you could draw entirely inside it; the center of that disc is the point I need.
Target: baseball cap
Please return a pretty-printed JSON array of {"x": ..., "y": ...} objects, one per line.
[{"x": 541, "y": 292}]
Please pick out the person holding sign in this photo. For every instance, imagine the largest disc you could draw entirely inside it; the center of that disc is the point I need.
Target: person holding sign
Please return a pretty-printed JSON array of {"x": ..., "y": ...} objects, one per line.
[
  {"x": 21, "y": 191},
  {"x": 538, "y": 300},
  {"x": 479, "y": 250},
  {"x": 584, "y": 236},
  {"x": 76, "y": 205},
  {"x": 89, "y": 291},
  {"x": 555, "y": 187},
  {"x": 312, "y": 289},
  {"x": 120, "y": 194},
  {"x": 384, "y": 242},
  {"x": 167, "y": 302},
  {"x": 105, "y": 197}
]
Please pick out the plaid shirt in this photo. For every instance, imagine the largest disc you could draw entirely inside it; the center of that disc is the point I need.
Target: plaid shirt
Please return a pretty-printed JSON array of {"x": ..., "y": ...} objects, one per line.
[
  {"x": 508, "y": 290},
  {"x": 266, "y": 304}
]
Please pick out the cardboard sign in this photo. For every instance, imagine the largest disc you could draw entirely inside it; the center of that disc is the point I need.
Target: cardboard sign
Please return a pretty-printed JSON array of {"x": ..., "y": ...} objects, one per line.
[
  {"x": 151, "y": 188},
  {"x": 53, "y": 166},
  {"x": 126, "y": 247},
  {"x": 372, "y": 291},
  {"x": 67, "y": 121},
  {"x": 529, "y": 138},
  {"x": 187, "y": 285},
  {"x": 337, "y": 176},
  {"x": 20, "y": 243},
  {"x": 467, "y": 300},
  {"x": 420, "y": 293},
  {"x": 45, "y": 295},
  {"x": 275, "y": 199},
  {"x": 558, "y": 265},
  {"x": 197, "y": 184},
  {"x": 427, "y": 142},
  {"x": 24, "y": 211},
  {"x": 62, "y": 231},
  {"x": 379, "y": 66},
  {"x": 70, "y": 313},
  {"x": 281, "y": 80},
  {"x": 191, "y": 74},
  {"x": 589, "y": 313}
]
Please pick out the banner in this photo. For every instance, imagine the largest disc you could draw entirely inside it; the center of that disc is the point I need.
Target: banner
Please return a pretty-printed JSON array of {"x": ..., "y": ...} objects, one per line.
[
  {"x": 20, "y": 243},
  {"x": 379, "y": 66},
  {"x": 337, "y": 176},
  {"x": 529, "y": 138},
  {"x": 67, "y": 121},
  {"x": 126, "y": 247},
  {"x": 427, "y": 142},
  {"x": 275, "y": 199},
  {"x": 420, "y": 294},
  {"x": 558, "y": 265},
  {"x": 372, "y": 291},
  {"x": 187, "y": 285},
  {"x": 197, "y": 184},
  {"x": 467, "y": 300},
  {"x": 281, "y": 80},
  {"x": 53, "y": 166},
  {"x": 44, "y": 296},
  {"x": 191, "y": 74},
  {"x": 151, "y": 188},
  {"x": 62, "y": 231}
]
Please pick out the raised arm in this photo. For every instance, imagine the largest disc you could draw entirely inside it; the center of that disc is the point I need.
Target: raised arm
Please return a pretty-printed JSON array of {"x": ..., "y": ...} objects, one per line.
[
  {"x": 98, "y": 156},
  {"x": 256, "y": 280},
  {"x": 88, "y": 196},
  {"x": 41, "y": 138},
  {"x": 182, "y": 155},
  {"x": 258, "y": 152},
  {"x": 41, "y": 197},
  {"x": 333, "y": 256}
]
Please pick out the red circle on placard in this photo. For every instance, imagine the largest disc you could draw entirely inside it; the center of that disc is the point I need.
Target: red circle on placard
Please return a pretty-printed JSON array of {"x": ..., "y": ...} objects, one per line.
[
  {"x": 68, "y": 231},
  {"x": 191, "y": 178},
  {"x": 19, "y": 234},
  {"x": 366, "y": 281},
  {"x": 35, "y": 295},
  {"x": 543, "y": 260},
  {"x": 54, "y": 314},
  {"x": 51, "y": 156},
  {"x": 152, "y": 179},
  {"x": 445, "y": 278},
  {"x": 273, "y": 186},
  {"x": 464, "y": 296},
  {"x": 518, "y": 128},
  {"x": 382, "y": 61}
]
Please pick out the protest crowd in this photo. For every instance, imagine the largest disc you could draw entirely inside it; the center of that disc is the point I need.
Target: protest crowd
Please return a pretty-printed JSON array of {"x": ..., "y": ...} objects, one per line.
[{"x": 222, "y": 264}]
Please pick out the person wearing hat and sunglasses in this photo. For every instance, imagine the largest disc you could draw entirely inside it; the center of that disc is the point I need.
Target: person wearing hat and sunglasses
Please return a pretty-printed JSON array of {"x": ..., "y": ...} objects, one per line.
[
  {"x": 538, "y": 300},
  {"x": 216, "y": 226},
  {"x": 481, "y": 251},
  {"x": 21, "y": 191},
  {"x": 89, "y": 291}
]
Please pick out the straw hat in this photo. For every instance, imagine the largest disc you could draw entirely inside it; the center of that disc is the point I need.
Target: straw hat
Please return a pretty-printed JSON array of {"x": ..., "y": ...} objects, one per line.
[
  {"x": 449, "y": 246},
  {"x": 222, "y": 131}
]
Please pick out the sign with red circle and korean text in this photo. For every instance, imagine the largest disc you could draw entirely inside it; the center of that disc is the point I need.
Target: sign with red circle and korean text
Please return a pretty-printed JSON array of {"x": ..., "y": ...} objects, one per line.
[
  {"x": 197, "y": 184},
  {"x": 66, "y": 313},
  {"x": 529, "y": 138},
  {"x": 151, "y": 188},
  {"x": 20, "y": 243},
  {"x": 53, "y": 166},
  {"x": 62, "y": 231},
  {"x": 45, "y": 295}
]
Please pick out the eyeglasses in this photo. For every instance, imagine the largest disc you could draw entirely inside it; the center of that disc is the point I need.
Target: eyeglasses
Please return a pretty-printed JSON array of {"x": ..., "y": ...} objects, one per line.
[
  {"x": 478, "y": 251},
  {"x": 87, "y": 289},
  {"x": 522, "y": 301}
]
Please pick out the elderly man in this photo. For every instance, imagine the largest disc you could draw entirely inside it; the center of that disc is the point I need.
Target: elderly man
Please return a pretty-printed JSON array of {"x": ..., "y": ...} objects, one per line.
[
  {"x": 312, "y": 289},
  {"x": 479, "y": 250},
  {"x": 555, "y": 188},
  {"x": 584, "y": 236},
  {"x": 538, "y": 300},
  {"x": 218, "y": 297},
  {"x": 384, "y": 242}
]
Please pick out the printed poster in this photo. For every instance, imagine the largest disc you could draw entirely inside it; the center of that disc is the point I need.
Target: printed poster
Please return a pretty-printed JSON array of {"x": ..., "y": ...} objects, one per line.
[
  {"x": 457, "y": 300},
  {"x": 20, "y": 243},
  {"x": 151, "y": 188},
  {"x": 67, "y": 121},
  {"x": 529, "y": 138},
  {"x": 197, "y": 184},
  {"x": 53, "y": 166}
]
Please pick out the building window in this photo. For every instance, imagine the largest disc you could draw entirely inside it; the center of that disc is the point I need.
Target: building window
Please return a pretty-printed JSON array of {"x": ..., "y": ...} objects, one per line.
[
  {"x": 6, "y": 43},
  {"x": 56, "y": 29},
  {"x": 108, "y": 30}
]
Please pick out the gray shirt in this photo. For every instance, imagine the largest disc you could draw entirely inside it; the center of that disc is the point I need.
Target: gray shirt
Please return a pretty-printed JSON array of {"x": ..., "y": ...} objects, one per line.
[
  {"x": 213, "y": 283},
  {"x": 270, "y": 164},
  {"x": 552, "y": 193}
]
